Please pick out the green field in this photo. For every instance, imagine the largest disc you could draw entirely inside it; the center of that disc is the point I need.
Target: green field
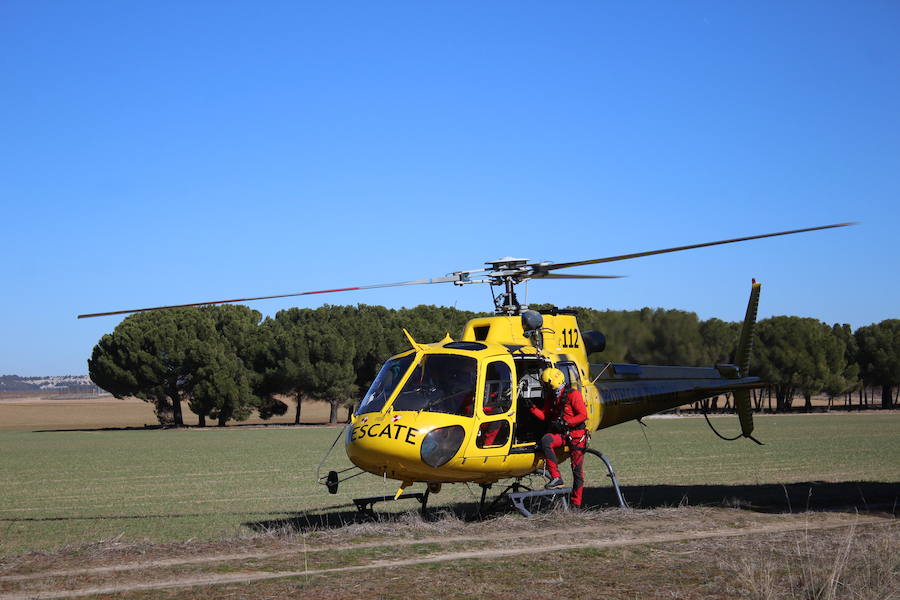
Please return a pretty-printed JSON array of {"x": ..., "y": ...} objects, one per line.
[{"x": 75, "y": 487}]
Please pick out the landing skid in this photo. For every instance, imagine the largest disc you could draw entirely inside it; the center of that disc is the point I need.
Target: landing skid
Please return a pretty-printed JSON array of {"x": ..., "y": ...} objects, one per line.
[
  {"x": 517, "y": 493},
  {"x": 365, "y": 505}
]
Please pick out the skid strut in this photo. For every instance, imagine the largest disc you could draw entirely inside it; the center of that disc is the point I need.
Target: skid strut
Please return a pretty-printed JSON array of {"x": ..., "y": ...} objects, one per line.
[{"x": 611, "y": 474}]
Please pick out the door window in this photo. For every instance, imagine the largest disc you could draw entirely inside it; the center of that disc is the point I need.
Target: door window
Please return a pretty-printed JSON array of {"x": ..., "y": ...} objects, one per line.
[
  {"x": 493, "y": 434},
  {"x": 497, "y": 388}
]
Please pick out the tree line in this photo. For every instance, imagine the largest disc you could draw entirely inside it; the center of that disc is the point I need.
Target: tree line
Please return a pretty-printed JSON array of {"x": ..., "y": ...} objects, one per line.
[{"x": 225, "y": 362}]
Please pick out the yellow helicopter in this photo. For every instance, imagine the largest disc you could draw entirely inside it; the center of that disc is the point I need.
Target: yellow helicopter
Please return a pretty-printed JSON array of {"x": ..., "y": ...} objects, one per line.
[{"x": 458, "y": 410}]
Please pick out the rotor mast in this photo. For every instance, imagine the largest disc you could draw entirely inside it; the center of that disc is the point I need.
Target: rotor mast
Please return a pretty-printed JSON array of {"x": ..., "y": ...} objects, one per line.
[{"x": 508, "y": 272}]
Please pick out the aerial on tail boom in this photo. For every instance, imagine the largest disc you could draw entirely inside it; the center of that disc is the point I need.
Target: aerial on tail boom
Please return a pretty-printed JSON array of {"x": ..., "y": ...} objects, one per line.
[{"x": 461, "y": 410}]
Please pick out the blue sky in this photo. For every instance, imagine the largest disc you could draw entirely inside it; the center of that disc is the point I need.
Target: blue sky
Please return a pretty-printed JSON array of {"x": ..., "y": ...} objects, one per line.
[{"x": 167, "y": 152}]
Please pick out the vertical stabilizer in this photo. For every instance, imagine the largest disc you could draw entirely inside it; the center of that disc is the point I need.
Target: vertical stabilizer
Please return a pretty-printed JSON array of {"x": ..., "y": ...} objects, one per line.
[
  {"x": 745, "y": 343},
  {"x": 742, "y": 359}
]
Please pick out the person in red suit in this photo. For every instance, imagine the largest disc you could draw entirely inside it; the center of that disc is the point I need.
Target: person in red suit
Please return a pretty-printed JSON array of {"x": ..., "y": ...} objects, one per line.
[{"x": 565, "y": 414}]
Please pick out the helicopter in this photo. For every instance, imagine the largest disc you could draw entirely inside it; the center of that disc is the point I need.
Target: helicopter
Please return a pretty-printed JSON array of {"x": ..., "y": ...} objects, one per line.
[{"x": 456, "y": 410}]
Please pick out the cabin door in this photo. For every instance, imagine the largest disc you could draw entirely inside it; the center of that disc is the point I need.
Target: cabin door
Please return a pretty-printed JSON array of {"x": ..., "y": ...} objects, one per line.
[{"x": 494, "y": 414}]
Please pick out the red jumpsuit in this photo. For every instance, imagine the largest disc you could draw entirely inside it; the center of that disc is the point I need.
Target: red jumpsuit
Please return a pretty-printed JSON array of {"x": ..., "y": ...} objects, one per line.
[{"x": 568, "y": 406}]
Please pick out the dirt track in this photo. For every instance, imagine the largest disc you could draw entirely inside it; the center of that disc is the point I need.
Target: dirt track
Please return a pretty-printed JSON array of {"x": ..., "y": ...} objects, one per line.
[{"x": 483, "y": 542}]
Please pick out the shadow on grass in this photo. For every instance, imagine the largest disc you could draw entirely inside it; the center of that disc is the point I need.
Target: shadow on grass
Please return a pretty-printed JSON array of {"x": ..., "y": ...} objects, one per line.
[
  {"x": 773, "y": 497},
  {"x": 846, "y": 496},
  {"x": 850, "y": 496}
]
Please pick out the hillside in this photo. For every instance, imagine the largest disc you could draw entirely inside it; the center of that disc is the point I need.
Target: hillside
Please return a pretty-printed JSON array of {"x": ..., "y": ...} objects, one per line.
[{"x": 71, "y": 383}]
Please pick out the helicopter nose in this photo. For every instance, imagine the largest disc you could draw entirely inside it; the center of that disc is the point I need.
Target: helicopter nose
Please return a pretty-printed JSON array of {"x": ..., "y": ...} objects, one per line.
[{"x": 384, "y": 445}]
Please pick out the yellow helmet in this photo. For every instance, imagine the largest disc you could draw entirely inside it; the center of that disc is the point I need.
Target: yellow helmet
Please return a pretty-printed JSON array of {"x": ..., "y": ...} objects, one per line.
[{"x": 553, "y": 377}]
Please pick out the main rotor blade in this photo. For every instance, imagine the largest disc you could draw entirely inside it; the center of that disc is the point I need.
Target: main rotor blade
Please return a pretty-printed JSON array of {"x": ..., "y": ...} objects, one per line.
[
  {"x": 448, "y": 279},
  {"x": 568, "y": 276},
  {"x": 595, "y": 261}
]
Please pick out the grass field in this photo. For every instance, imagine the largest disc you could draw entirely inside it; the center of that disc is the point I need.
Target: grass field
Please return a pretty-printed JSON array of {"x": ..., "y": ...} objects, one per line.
[{"x": 74, "y": 487}]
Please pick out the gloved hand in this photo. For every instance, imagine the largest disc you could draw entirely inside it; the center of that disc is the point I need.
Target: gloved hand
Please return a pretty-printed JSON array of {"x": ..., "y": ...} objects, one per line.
[{"x": 558, "y": 425}]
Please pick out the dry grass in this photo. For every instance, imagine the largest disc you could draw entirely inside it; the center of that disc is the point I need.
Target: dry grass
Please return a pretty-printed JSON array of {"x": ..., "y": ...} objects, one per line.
[
  {"x": 611, "y": 553},
  {"x": 862, "y": 565}
]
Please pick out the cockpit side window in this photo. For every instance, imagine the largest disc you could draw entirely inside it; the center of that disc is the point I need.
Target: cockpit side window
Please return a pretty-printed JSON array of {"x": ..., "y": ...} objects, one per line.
[
  {"x": 384, "y": 385},
  {"x": 497, "y": 388},
  {"x": 570, "y": 370},
  {"x": 442, "y": 383}
]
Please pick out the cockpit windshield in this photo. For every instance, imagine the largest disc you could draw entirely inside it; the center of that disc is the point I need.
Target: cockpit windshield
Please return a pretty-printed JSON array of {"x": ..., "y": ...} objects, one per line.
[
  {"x": 443, "y": 383},
  {"x": 384, "y": 385}
]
